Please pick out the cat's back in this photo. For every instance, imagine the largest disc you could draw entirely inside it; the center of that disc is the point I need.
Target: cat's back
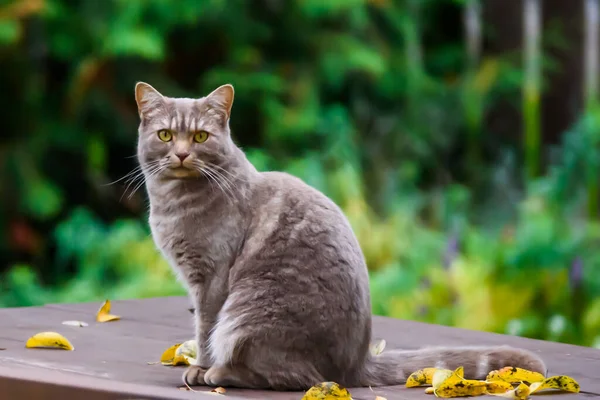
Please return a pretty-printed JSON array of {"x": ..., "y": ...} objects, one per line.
[{"x": 298, "y": 224}]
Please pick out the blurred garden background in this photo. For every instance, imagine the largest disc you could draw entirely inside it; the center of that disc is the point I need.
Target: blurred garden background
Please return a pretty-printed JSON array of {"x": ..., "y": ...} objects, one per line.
[{"x": 461, "y": 138}]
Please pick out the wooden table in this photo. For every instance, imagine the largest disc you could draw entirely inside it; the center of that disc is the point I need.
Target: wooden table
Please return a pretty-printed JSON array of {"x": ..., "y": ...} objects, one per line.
[{"x": 111, "y": 359}]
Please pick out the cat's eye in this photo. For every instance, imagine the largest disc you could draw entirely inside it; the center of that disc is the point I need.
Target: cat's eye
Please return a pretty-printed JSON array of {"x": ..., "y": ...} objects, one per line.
[
  {"x": 165, "y": 135},
  {"x": 200, "y": 137}
]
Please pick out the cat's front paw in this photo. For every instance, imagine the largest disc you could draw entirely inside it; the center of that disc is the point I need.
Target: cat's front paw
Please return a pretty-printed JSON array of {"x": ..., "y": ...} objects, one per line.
[{"x": 194, "y": 375}]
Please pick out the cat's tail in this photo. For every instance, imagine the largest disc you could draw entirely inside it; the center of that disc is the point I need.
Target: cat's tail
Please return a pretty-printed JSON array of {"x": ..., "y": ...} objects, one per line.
[{"x": 393, "y": 367}]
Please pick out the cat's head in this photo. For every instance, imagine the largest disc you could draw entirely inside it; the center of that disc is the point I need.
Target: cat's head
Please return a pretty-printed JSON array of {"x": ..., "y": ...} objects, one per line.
[{"x": 179, "y": 137}]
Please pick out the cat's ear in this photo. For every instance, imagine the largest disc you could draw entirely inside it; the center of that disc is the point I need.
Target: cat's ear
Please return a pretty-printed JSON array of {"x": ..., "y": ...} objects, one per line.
[
  {"x": 222, "y": 98},
  {"x": 147, "y": 98}
]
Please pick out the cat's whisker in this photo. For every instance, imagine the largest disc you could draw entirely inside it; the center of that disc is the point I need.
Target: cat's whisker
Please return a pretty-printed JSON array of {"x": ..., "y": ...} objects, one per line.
[
  {"x": 227, "y": 191},
  {"x": 126, "y": 176},
  {"x": 132, "y": 180},
  {"x": 224, "y": 179},
  {"x": 140, "y": 179},
  {"x": 156, "y": 170},
  {"x": 232, "y": 177},
  {"x": 231, "y": 174},
  {"x": 224, "y": 189},
  {"x": 227, "y": 181}
]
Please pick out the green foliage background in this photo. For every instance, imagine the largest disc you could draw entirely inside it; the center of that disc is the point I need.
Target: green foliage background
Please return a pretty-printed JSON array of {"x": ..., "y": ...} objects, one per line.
[{"x": 369, "y": 101}]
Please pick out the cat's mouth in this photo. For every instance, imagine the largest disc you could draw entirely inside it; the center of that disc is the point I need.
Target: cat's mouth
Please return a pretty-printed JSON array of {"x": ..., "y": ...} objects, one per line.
[{"x": 181, "y": 171}]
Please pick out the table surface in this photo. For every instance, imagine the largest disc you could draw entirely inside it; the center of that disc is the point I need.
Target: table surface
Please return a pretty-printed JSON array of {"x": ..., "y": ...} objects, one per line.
[{"x": 111, "y": 360}]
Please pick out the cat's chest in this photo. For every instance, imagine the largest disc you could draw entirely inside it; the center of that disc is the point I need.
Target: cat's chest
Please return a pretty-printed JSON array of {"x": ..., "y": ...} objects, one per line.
[
  {"x": 179, "y": 242},
  {"x": 194, "y": 240}
]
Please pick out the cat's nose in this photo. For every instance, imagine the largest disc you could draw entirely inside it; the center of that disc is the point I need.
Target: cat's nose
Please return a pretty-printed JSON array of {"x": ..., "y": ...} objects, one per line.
[{"x": 182, "y": 155}]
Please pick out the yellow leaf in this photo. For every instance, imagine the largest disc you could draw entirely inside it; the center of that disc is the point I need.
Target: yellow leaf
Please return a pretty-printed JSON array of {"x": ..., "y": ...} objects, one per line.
[
  {"x": 440, "y": 375},
  {"x": 169, "y": 354},
  {"x": 104, "y": 315},
  {"x": 75, "y": 323},
  {"x": 514, "y": 375},
  {"x": 219, "y": 390},
  {"x": 521, "y": 392},
  {"x": 186, "y": 353},
  {"x": 498, "y": 387},
  {"x": 561, "y": 382},
  {"x": 456, "y": 386},
  {"x": 49, "y": 340},
  {"x": 180, "y": 354},
  {"x": 377, "y": 347},
  {"x": 421, "y": 377},
  {"x": 327, "y": 391}
]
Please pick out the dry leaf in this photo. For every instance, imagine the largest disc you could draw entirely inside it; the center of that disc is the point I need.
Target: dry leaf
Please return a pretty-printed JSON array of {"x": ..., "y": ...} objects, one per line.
[
  {"x": 521, "y": 392},
  {"x": 440, "y": 375},
  {"x": 186, "y": 354},
  {"x": 498, "y": 387},
  {"x": 327, "y": 391},
  {"x": 514, "y": 375},
  {"x": 219, "y": 390},
  {"x": 49, "y": 340},
  {"x": 104, "y": 315},
  {"x": 561, "y": 382},
  {"x": 421, "y": 377},
  {"x": 80, "y": 324},
  {"x": 180, "y": 354},
  {"x": 169, "y": 354},
  {"x": 456, "y": 386},
  {"x": 377, "y": 347}
]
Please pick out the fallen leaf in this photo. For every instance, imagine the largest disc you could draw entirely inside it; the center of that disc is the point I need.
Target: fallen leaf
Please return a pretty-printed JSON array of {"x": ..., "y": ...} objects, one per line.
[
  {"x": 180, "y": 354},
  {"x": 421, "y": 377},
  {"x": 440, "y": 375},
  {"x": 561, "y": 382},
  {"x": 380, "y": 398},
  {"x": 169, "y": 354},
  {"x": 327, "y": 391},
  {"x": 429, "y": 390},
  {"x": 104, "y": 315},
  {"x": 49, "y": 340},
  {"x": 219, "y": 390},
  {"x": 186, "y": 353},
  {"x": 498, "y": 387},
  {"x": 80, "y": 324},
  {"x": 514, "y": 375},
  {"x": 521, "y": 392},
  {"x": 456, "y": 386},
  {"x": 377, "y": 347}
]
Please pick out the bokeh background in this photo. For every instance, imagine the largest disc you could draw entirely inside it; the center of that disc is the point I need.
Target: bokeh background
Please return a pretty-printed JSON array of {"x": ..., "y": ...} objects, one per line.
[{"x": 461, "y": 138}]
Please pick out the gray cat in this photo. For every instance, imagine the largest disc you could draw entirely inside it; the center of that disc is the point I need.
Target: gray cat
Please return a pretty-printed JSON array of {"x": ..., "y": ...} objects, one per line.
[{"x": 276, "y": 275}]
